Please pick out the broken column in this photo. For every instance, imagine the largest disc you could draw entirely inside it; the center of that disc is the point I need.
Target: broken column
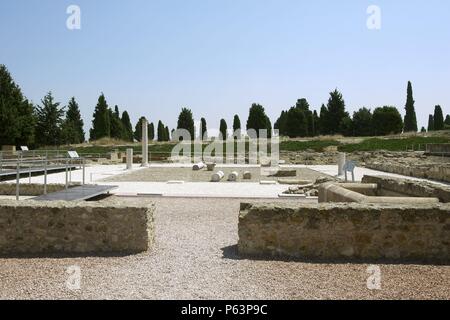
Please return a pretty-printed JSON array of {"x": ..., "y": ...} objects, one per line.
[
  {"x": 198, "y": 166},
  {"x": 341, "y": 163},
  {"x": 144, "y": 140},
  {"x": 233, "y": 176},
  {"x": 129, "y": 159},
  {"x": 216, "y": 177}
]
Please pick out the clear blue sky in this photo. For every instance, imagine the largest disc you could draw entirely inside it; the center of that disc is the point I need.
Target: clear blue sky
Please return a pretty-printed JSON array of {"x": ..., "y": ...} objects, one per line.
[{"x": 216, "y": 57}]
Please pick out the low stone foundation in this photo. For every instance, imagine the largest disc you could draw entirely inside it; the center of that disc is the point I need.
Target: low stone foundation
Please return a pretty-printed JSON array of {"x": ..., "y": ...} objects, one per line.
[
  {"x": 438, "y": 171},
  {"x": 389, "y": 186},
  {"x": 31, "y": 189},
  {"x": 346, "y": 231},
  {"x": 30, "y": 227}
]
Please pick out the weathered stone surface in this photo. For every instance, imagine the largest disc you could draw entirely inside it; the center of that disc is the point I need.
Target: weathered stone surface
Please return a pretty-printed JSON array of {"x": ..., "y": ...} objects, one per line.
[
  {"x": 30, "y": 227},
  {"x": 31, "y": 189},
  {"x": 284, "y": 173},
  {"x": 330, "y": 192},
  {"x": 392, "y": 186},
  {"x": 349, "y": 231},
  {"x": 247, "y": 175}
]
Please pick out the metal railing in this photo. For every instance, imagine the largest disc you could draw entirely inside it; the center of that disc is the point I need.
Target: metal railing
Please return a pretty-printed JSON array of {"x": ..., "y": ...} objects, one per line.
[{"x": 21, "y": 166}]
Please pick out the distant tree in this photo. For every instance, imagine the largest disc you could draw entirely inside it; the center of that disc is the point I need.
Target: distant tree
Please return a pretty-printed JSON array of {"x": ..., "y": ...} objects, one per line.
[
  {"x": 186, "y": 121},
  {"x": 151, "y": 131},
  {"x": 362, "y": 122},
  {"x": 430, "y": 123},
  {"x": 127, "y": 127},
  {"x": 117, "y": 130},
  {"x": 438, "y": 118},
  {"x": 237, "y": 126},
  {"x": 346, "y": 127},
  {"x": 335, "y": 113},
  {"x": 280, "y": 124},
  {"x": 137, "y": 134},
  {"x": 17, "y": 118},
  {"x": 161, "y": 131},
  {"x": 423, "y": 130},
  {"x": 447, "y": 120},
  {"x": 167, "y": 134},
  {"x": 388, "y": 120},
  {"x": 223, "y": 129},
  {"x": 323, "y": 125},
  {"x": 296, "y": 124},
  {"x": 257, "y": 118},
  {"x": 316, "y": 124},
  {"x": 268, "y": 127},
  {"x": 100, "y": 124},
  {"x": 72, "y": 127},
  {"x": 203, "y": 129},
  {"x": 303, "y": 105},
  {"x": 49, "y": 120},
  {"x": 410, "y": 123}
]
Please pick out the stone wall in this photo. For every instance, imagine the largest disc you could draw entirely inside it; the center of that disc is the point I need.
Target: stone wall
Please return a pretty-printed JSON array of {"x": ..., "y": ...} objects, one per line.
[
  {"x": 31, "y": 227},
  {"x": 333, "y": 192},
  {"x": 438, "y": 149},
  {"x": 390, "y": 185},
  {"x": 346, "y": 231},
  {"x": 438, "y": 172},
  {"x": 31, "y": 189}
]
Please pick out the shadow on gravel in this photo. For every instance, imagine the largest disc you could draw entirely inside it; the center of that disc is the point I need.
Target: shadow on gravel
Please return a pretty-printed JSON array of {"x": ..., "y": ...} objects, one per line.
[
  {"x": 231, "y": 252},
  {"x": 69, "y": 255}
]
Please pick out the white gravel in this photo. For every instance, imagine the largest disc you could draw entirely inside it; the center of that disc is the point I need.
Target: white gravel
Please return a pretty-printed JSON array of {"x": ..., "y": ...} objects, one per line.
[{"x": 195, "y": 258}]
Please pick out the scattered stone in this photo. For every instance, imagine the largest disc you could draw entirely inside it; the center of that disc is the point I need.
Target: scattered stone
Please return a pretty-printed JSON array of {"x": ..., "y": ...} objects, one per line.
[
  {"x": 198, "y": 166},
  {"x": 216, "y": 177},
  {"x": 210, "y": 166},
  {"x": 321, "y": 180},
  {"x": 233, "y": 176},
  {"x": 247, "y": 175}
]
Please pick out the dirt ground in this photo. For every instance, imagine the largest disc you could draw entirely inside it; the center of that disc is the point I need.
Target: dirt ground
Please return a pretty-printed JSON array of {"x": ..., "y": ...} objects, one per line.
[
  {"x": 195, "y": 257},
  {"x": 161, "y": 174}
]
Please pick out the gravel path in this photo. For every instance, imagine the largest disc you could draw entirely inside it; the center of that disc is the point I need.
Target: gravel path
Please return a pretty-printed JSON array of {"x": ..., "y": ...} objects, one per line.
[
  {"x": 195, "y": 258},
  {"x": 164, "y": 174}
]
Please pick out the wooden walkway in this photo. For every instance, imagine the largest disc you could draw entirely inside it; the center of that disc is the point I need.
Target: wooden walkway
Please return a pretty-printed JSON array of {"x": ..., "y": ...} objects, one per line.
[{"x": 77, "y": 193}]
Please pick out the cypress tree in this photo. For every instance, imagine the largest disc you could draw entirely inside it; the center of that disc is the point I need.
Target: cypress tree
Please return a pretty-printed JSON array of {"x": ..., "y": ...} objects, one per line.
[
  {"x": 16, "y": 110},
  {"x": 316, "y": 123},
  {"x": 223, "y": 129},
  {"x": 151, "y": 131},
  {"x": 335, "y": 112},
  {"x": 73, "y": 131},
  {"x": 323, "y": 125},
  {"x": 186, "y": 121},
  {"x": 203, "y": 129},
  {"x": 115, "y": 123},
  {"x": 138, "y": 129},
  {"x": 161, "y": 131},
  {"x": 438, "y": 118},
  {"x": 49, "y": 121},
  {"x": 423, "y": 130},
  {"x": 296, "y": 124},
  {"x": 100, "y": 124},
  {"x": 280, "y": 124},
  {"x": 127, "y": 126},
  {"x": 257, "y": 118},
  {"x": 237, "y": 127},
  {"x": 430, "y": 123},
  {"x": 447, "y": 120},
  {"x": 167, "y": 134},
  {"x": 410, "y": 122}
]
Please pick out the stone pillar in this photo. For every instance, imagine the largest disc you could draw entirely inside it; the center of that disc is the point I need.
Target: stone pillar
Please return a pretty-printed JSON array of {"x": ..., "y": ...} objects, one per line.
[
  {"x": 341, "y": 163},
  {"x": 129, "y": 159},
  {"x": 144, "y": 143}
]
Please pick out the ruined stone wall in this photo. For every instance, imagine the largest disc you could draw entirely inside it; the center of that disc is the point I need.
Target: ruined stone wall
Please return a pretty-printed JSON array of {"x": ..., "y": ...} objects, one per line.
[
  {"x": 438, "y": 172},
  {"x": 31, "y": 189},
  {"x": 346, "y": 231},
  {"x": 413, "y": 188},
  {"x": 31, "y": 227}
]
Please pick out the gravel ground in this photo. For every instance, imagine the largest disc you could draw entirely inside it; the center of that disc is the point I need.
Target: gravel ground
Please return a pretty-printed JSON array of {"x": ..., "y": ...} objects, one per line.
[
  {"x": 195, "y": 258},
  {"x": 188, "y": 175}
]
